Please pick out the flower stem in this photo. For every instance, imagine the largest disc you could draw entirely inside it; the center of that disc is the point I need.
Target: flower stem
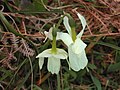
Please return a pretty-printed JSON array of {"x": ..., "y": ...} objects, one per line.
[
  {"x": 54, "y": 34},
  {"x": 58, "y": 82},
  {"x": 73, "y": 34},
  {"x": 54, "y": 50}
]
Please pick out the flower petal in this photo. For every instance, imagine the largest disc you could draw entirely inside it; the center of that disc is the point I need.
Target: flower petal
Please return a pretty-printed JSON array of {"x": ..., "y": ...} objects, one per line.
[
  {"x": 78, "y": 46},
  {"x": 41, "y": 62},
  {"x": 53, "y": 65},
  {"x": 66, "y": 38},
  {"x": 66, "y": 24},
  {"x": 45, "y": 53},
  {"x": 83, "y": 59},
  {"x": 84, "y": 23},
  {"x": 77, "y": 61},
  {"x": 49, "y": 34},
  {"x": 61, "y": 54}
]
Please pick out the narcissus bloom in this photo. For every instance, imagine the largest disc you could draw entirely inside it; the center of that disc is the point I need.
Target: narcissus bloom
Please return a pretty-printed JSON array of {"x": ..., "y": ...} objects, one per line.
[
  {"x": 54, "y": 55},
  {"x": 76, "y": 47},
  {"x": 53, "y": 64}
]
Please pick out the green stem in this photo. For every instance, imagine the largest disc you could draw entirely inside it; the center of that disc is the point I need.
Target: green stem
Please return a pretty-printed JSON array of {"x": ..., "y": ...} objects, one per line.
[
  {"x": 58, "y": 24},
  {"x": 73, "y": 34},
  {"x": 8, "y": 6},
  {"x": 54, "y": 34},
  {"x": 54, "y": 50},
  {"x": 58, "y": 82},
  {"x": 11, "y": 29}
]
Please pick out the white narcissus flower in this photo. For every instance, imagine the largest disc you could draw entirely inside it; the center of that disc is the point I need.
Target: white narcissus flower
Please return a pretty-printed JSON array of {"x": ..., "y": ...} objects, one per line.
[
  {"x": 54, "y": 54},
  {"x": 76, "y": 49},
  {"x": 53, "y": 64}
]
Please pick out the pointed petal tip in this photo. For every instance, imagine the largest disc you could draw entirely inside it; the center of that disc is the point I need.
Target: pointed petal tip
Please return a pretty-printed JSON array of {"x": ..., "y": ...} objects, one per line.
[
  {"x": 37, "y": 56},
  {"x": 41, "y": 62},
  {"x": 66, "y": 24}
]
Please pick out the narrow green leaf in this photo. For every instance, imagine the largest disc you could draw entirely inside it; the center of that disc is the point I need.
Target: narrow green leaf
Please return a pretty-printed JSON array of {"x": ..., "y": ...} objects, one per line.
[
  {"x": 117, "y": 56},
  {"x": 35, "y": 87},
  {"x": 91, "y": 66},
  {"x": 114, "y": 67},
  {"x": 5, "y": 73},
  {"x": 108, "y": 45},
  {"x": 96, "y": 82},
  {"x": 71, "y": 73}
]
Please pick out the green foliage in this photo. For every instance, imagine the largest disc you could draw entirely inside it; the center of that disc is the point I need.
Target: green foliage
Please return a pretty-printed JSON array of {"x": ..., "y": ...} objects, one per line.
[
  {"x": 117, "y": 56},
  {"x": 114, "y": 67},
  {"x": 109, "y": 45},
  {"x": 35, "y": 87},
  {"x": 91, "y": 66},
  {"x": 5, "y": 74},
  {"x": 35, "y": 6},
  {"x": 96, "y": 82}
]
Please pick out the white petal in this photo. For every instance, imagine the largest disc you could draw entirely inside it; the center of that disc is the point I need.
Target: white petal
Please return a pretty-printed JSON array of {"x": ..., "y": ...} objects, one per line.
[
  {"x": 49, "y": 34},
  {"x": 78, "y": 46},
  {"x": 41, "y": 62},
  {"x": 66, "y": 24},
  {"x": 66, "y": 38},
  {"x": 45, "y": 53},
  {"x": 84, "y": 23},
  {"x": 83, "y": 59},
  {"x": 53, "y": 65},
  {"x": 77, "y": 61},
  {"x": 61, "y": 54}
]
